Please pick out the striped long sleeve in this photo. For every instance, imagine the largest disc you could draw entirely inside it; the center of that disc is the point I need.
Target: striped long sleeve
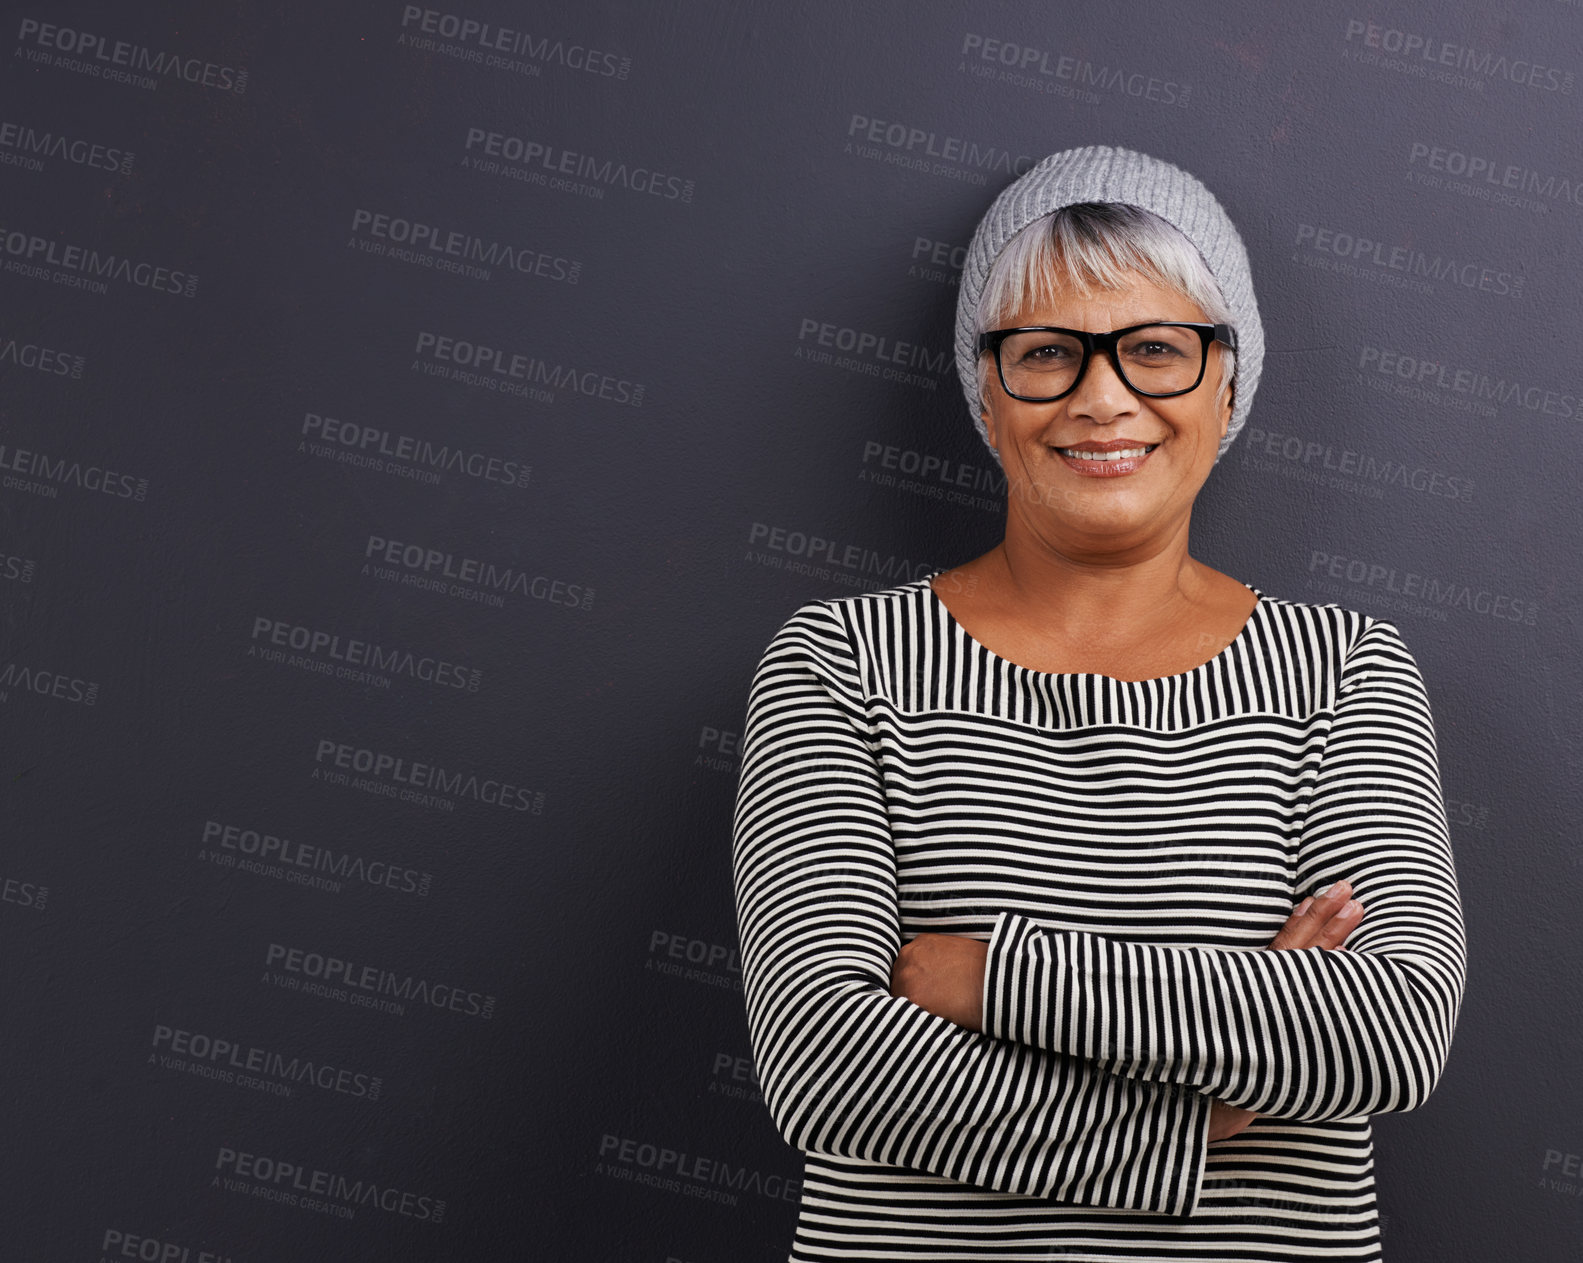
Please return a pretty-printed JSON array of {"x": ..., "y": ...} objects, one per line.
[
  {"x": 849, "y": 1070},
  {"x": 1303, "y": 1035}
]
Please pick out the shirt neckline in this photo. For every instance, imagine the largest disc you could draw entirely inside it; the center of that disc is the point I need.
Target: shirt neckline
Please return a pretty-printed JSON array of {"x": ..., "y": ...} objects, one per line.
[{"x": 967, "y": 637}]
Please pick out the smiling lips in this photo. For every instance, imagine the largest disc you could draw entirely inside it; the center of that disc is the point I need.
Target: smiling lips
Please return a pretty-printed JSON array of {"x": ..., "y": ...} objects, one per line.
[{"x": 1106, "y": 460}]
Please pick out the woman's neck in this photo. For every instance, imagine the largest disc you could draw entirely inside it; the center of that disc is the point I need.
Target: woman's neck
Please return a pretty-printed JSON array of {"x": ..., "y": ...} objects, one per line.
[
  {"x": 1136, "y": 616},
  {"x": 1092, "y": 587}
]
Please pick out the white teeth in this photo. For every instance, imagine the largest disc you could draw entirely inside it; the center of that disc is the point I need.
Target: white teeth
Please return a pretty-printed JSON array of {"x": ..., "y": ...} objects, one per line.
[{"x": 1120, "y": 453}]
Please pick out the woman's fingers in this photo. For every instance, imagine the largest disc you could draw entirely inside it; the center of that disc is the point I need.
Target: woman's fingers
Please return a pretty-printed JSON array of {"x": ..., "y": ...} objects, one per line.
[
  {"x": 1226, "y": 1121},
  {"x": 1335, "y": 931},
  {"x": 1323, "y": 920}
]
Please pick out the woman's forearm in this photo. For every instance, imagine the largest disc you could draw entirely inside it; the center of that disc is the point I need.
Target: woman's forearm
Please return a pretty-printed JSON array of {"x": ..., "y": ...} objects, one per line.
[
  {"x": 1303, "y": 1035},
  {"x": 850, "y": 1070},
  {"x": 1306, "y": 1034}
]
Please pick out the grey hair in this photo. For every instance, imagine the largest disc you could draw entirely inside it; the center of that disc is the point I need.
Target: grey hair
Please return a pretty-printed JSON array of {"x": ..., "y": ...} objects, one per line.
[{"x": 1088, "y": 246}]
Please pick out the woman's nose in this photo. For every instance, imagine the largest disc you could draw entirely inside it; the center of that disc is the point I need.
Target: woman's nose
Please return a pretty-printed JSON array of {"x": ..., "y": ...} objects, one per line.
[{"x": 1102, "y": 394}]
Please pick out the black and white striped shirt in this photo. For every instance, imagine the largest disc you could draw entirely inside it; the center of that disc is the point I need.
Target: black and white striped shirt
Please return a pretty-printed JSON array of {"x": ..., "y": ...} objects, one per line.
[{"x": 1127, "y": 848}]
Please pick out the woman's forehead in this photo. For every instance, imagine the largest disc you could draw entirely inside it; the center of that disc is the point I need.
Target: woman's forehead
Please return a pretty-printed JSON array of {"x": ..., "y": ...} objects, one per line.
[{"x": 1140, "y": 299}]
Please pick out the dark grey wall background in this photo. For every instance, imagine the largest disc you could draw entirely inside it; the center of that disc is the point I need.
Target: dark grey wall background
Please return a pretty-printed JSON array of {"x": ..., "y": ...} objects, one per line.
[{"x": 415, "y": 422}]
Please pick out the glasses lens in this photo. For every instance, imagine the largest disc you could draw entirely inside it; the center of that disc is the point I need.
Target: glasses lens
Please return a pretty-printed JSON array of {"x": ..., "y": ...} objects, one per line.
[
  {"x": 1159, "y": 359},
  {"x": 1039, "y": 365}
]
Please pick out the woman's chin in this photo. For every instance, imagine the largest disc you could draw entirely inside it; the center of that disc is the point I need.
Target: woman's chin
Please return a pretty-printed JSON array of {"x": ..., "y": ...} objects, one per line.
[
  {"x": 1101, "y": 518},
  {"x": 1065, "y": 497}
]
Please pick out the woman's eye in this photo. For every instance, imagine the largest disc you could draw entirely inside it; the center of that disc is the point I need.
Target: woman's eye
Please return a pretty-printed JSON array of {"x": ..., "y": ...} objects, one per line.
[{"x": 1048, "y": 354}]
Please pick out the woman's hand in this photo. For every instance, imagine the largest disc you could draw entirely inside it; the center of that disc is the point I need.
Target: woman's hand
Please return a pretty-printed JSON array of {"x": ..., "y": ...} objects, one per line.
[
  {"x": 943, "y": 973},
  {"x": 1322, "y": 921}
]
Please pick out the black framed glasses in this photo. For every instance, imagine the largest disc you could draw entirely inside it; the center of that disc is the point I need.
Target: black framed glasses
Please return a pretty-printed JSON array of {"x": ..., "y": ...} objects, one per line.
[{"x": 1041, "y": 363}]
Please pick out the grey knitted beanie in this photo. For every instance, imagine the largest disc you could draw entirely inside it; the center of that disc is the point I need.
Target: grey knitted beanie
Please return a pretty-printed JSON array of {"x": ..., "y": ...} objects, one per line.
[{"x": 1099, "y": 173}]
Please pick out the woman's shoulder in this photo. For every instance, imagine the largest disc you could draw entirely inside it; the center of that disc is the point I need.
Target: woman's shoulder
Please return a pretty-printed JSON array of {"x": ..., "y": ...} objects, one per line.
[
  {"x": 843, "y": 627},
  {"x": 1337, "y": 621},
  {"x": 1345, "y": 637},
  {"x": 861, "y": 606},
  {"x": 1348, "y": 622}
]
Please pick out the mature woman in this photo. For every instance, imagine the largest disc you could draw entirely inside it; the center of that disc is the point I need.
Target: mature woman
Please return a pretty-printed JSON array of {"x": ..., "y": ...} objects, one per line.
[{"x": 1051, "y": 869}]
